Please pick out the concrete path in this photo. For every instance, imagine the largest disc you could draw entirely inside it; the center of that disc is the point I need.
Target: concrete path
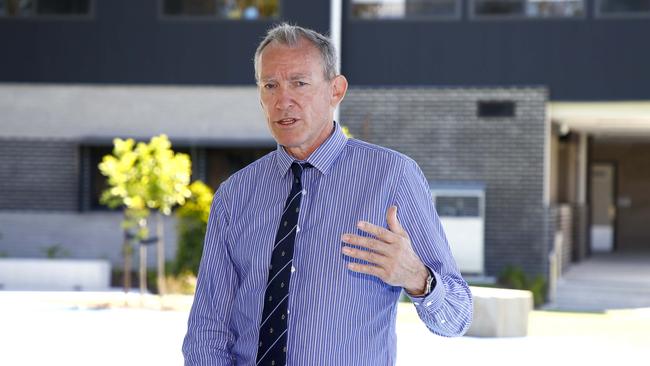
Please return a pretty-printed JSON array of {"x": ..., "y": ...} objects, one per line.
[
  {"x": 604, "y": 282},
  {"x": 43, "y": 329}
]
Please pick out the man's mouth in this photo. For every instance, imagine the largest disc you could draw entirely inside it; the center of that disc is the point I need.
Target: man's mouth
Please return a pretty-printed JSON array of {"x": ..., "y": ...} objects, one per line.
[{"x": 287, "y": 121}]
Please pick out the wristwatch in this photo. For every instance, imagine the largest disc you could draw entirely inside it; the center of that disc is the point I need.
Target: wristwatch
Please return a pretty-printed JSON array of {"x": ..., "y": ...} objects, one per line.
[{"x": 431, "y": 283}]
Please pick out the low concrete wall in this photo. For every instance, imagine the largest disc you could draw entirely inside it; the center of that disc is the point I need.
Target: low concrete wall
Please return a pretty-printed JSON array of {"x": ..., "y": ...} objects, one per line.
[
  {"x": 500, "y": 312},
  {"x": 54, "y": 274},
  {"x": 81, "y": 235}
]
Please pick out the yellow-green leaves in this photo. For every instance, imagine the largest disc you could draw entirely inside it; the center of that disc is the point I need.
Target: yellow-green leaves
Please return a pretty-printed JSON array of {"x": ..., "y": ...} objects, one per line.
[{"x": 146, "y": 176}]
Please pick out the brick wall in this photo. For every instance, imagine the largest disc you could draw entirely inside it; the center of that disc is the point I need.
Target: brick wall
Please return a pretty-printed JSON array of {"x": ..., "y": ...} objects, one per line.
[
  {"x": 38, "y": 174},
  {"x": 440, "y": 129}
]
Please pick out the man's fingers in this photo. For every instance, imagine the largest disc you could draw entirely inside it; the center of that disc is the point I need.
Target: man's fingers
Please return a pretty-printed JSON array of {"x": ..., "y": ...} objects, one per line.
[
  {"x": 366, "y": 255},
  {"x": 393, "y": 223},
  {"x": 365, "y": 242},
  {"x": 378, "y": 231},
  {"x": 367, "y": 269}
]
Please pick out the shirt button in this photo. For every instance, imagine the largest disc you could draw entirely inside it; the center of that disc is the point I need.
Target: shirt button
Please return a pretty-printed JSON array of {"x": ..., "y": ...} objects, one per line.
[
  {"x": 443, "y": 321},
  {"x": 297, "y": 229},
  {"x": 429, "y": 303},
  {"x": 293, "y": 269},
  {"x": 304, "y": 192}
]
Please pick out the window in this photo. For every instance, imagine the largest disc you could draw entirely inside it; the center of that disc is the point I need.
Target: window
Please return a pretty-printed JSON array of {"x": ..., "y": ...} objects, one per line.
[
  {"x": 404, "y": 9},
  {"x": 457, "y": 206},
  {"x": 623, "y": 7},
  {"x": 496, "y": 109},
  {"x": 528, "y": 8},
  {"x": 29, "y": 8},
  {"x": 225, "y": 9},
  {"x": 211, "y": 165}
]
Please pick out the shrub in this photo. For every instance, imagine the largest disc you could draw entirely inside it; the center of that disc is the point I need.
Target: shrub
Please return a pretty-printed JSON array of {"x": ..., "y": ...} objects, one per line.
[
  {"x": 515, "y": 278},
  {"x": 192, "y": 222}
]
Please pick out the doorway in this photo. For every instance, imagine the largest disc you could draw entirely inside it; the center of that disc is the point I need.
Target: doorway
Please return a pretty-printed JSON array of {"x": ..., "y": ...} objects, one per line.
[{"x": 603, "y": 207}]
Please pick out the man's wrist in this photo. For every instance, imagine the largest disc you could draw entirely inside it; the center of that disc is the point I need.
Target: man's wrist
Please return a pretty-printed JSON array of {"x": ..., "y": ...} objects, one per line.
[{"x": 422, "y": 283}]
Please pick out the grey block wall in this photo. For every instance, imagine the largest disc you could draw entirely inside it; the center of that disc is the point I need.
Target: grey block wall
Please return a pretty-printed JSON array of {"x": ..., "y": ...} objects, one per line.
[
  {"x": 38, "y": 174},
  {"x": 439, "y": 128},
  {"x": 40, "y": 192}
]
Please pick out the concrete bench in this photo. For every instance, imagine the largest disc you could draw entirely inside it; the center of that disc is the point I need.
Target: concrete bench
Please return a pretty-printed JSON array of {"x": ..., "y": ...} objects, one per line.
[
  {"x": 54, "y": 274},
  {"x": 500, "y": 312}
]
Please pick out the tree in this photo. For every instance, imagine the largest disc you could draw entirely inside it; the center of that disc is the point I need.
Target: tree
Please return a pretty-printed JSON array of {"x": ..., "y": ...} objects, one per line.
[
  {"x": 148, "y": 177},
  {"x": 192, "y": 222}
]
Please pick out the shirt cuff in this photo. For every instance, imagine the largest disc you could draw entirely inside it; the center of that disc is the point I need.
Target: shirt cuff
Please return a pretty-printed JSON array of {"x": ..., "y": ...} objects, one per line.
[{"x": 434, "y": 299}]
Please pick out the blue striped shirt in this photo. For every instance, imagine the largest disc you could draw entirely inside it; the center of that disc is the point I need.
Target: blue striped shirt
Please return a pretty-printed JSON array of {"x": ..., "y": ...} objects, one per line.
[{"x": 336, "y": 316}]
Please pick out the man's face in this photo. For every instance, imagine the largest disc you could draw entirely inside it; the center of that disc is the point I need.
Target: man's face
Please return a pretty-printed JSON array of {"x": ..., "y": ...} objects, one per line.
[{"x": 297, "y": 99}]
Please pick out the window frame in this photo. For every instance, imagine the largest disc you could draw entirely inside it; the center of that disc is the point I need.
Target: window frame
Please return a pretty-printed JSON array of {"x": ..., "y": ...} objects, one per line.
[
  {"x": 89, "y": 16},
  {"x": 473, "y": 16},
  {"x": 214, "y": 18},
  {"x": 458, "y": 14}
]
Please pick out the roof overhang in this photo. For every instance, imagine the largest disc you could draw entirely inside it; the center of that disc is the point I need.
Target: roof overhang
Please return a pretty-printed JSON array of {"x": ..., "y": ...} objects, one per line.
[{"x": 603, "y": 119}]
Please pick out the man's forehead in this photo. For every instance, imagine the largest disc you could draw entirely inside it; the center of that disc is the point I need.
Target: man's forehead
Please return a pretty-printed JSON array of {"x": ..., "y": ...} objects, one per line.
[{"x": 301, "y": 60}]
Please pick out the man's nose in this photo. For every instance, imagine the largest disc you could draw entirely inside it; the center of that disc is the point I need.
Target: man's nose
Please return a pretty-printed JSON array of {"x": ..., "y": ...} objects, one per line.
[{"x": 284, "y": 98}]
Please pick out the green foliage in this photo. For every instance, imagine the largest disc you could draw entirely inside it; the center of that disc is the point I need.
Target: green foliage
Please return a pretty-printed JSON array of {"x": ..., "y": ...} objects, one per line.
[
  {"x": 145, "y": 176},
  {"x": 141, "y": 178},
  {"x": 515, "y": 278},
  {"x": 55, "y": 251},
  {"x": 183, "y": 283},
  {"x": 346, "y": 132},
  {"x": 192, "y": 222}
]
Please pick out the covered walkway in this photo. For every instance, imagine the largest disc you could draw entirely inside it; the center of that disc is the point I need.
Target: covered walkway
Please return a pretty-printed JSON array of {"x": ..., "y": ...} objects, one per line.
[{"x": 619, "y": 280}]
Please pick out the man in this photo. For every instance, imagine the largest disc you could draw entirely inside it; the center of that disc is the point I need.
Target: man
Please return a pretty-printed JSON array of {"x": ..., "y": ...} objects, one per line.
[{"x": 308, "y": 248}]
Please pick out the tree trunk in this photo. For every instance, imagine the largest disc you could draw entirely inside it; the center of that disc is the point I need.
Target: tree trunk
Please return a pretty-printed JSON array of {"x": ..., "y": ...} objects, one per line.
[
  {"x": 162, "y": 285},
  {"x": 127, "y": 251},
  {"x": 143, "y": 269}
]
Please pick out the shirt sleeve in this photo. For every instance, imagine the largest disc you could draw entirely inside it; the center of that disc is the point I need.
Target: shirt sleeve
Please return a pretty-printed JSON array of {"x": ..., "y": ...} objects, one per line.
[
  {"x": 209, "y": 340},
  {"x": 447, "y": 310}
]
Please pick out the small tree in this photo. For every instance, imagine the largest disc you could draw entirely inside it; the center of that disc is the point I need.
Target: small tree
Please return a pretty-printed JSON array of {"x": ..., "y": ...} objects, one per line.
[
  {"x": 192, "y": 222},
  {"x": 148, "y": 177}
]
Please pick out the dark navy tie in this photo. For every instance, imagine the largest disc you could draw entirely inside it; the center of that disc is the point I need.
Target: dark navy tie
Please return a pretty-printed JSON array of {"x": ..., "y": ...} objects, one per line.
[{"x": 273, "y": 326}]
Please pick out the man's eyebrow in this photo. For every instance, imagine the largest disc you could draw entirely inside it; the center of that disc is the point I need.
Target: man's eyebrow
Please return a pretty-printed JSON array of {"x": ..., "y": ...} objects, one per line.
[{"x": 298, "y": 76}]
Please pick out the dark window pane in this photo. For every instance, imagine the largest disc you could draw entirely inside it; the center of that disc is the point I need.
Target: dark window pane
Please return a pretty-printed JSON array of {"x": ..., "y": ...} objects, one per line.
[
  {"x": 457, "y": 206},
  {"x": 230, "y": 9},
  {"x": 223, "y": 162},
  {"x": 624, "y": 6},
  {"x": 63, "y": 7},
  {"x": 190, "y": 7},
  {"x": 499, "y": 7},
  {"x": 98, "y": 182},
  {"x": 496, "y": 109},
  {"x": 16, "y": 7},
  {"x": 530, "y": 8},
  {"x": 397, "y": 9}
]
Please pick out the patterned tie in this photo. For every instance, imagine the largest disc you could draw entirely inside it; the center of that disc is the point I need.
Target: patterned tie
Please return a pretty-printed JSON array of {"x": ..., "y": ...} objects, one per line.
[{"x": 273, "y": 327}]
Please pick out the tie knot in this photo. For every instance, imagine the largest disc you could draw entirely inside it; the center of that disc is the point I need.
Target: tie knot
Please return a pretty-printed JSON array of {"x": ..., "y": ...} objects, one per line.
[{"x": 297, "y": 168}]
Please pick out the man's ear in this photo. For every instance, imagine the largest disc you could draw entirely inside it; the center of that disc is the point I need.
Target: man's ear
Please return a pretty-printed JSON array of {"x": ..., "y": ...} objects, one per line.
[{"x": 339, "y": 87}]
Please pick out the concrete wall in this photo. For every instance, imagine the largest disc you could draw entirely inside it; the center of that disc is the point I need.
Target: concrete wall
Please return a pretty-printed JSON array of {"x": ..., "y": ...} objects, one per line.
[
  {"x": 439, "y": 128},
  {"x": 92, "y": 113},
  {"x": 89, "y": 235}
]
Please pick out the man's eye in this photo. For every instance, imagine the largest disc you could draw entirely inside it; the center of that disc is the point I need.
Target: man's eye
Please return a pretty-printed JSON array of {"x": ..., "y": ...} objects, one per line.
[
  {"x": 269, "y": 86},
  {"x": 300, "y": 83}
]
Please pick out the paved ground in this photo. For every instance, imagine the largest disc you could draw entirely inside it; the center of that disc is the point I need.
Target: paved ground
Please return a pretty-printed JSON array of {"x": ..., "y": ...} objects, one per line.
[
  {"x": 81, "y": 328},
  {"x": 605, "y": 282},
  {"x": 49, "y": 333}
]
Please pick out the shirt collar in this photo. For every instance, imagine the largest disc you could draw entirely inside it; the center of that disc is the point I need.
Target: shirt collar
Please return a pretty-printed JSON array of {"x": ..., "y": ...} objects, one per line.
[{"x": 322, "y": 158}]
